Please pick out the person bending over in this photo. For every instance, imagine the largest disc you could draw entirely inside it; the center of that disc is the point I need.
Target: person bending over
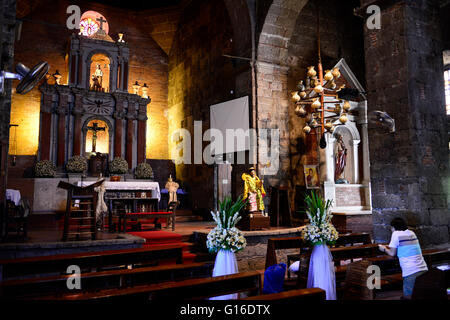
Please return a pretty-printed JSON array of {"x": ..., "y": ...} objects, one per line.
[{"x": 405, "y": 245}]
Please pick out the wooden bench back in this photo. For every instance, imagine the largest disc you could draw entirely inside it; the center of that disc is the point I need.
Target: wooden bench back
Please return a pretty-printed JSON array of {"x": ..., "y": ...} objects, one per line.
[
  {"x": 274, "y": 244},
  {"x": 57, "y": 285},
  {"x": 187, "y": 289},
  {"x": 292, "y": 295},
  {"x": 88, "y": 261}
]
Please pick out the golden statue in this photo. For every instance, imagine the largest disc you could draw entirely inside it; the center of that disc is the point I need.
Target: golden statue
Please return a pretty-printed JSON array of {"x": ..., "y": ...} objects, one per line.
[{"x": 254, "y": 191}]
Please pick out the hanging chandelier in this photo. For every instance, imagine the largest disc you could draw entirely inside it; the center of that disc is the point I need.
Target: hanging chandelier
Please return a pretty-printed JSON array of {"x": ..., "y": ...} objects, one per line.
[{"x": 319, "y": 94}]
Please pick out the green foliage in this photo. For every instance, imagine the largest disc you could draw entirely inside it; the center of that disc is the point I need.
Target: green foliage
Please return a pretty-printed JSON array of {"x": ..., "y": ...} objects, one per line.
[
  {"x": 143, "y": 171},
  {"x": 118, "y": 165},
  {"x": 45, "y": 169},
  {"x": 227, "y": 210},
  {"x": 317, "y": 208},
  {"x": 76, "y": 164}
]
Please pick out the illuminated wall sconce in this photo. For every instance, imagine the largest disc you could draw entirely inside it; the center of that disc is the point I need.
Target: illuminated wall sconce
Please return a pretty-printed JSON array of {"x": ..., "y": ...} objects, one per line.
[
  {"x": 57, "y": 77},
  {"x": 145, "y": 91},
  {"x": 136, "y": 87}
]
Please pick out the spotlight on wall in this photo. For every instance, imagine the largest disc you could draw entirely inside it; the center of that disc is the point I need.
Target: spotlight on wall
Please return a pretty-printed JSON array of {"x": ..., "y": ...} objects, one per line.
[{"x": 28, "y": 78}]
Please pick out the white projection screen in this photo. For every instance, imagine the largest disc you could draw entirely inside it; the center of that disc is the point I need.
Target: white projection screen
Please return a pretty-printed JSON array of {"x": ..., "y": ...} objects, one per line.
[{"x": 232, "y": 115}]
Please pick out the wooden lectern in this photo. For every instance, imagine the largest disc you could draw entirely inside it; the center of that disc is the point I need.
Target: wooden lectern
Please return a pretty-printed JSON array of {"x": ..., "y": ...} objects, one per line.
[{"x": 79, "y": 219}]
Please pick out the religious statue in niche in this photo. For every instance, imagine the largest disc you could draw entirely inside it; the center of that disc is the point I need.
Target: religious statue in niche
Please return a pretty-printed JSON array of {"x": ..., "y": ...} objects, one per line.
[
  {"x": 254, "y": 191},
  {"x": 340, "y": 160},
  {"x": 97, "y": 78},
  {"x": 172, "y": 188}
]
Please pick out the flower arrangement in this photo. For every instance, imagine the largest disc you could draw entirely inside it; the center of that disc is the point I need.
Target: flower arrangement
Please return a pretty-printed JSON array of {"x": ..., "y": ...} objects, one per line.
[
  {"x": 118, "y": 165},
  {"x": 225, "y": 236},
  {"x": 45, "y": 169},
  {"x": 76, "y": 164},
  {"x": 320, "y": 230},
  {"x": 144, "y": 171}
]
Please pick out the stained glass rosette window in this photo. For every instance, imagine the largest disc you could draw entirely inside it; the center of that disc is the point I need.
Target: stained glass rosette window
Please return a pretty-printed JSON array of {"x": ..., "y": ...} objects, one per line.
[{"x": 88, "y": 27}]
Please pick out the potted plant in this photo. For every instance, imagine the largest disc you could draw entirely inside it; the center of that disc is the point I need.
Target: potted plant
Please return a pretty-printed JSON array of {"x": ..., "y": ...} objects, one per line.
[
  {"x": 76, "y": 166},
  {"x": 226, "y": 239},
  {"x": 320, "y": 233},
  {"x": 45, "y": 169},
  {"x": 143, "y": 171},
  {"x": 117, "y": 168}
]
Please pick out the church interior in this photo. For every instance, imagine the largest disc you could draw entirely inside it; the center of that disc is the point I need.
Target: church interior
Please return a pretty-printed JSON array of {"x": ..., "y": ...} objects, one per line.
[{"x": 215, "y": 149}]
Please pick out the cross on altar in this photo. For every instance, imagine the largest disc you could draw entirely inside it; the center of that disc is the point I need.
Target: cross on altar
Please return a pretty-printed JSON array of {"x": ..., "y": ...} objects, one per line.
[
  {"x": 95, "y": 128},
  {"x": 101, "y": 20}
]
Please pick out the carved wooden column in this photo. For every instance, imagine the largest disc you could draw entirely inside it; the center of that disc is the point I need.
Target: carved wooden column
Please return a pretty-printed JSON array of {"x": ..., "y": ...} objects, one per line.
[
  {"x": 77, "y": 113},
  {"x": 45, "y": 133},
  {"x": 62, "y": 112},
  {"x": 130, "y": 137},
  {"x": 129, "y": 140},
  {"x": 142, "y": 126}
]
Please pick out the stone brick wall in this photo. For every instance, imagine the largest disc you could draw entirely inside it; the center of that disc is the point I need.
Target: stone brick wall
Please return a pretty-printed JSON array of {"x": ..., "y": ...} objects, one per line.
[
  {"x": 199, "y": 76},
  {"x": 350, "y": 197},
  {"x": 409, "y": 169},
  {"x": 45, "y": 37}
]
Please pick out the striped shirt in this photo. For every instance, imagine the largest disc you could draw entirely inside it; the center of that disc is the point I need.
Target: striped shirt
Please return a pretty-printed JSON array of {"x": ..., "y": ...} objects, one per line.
[{"x": 408, "y": 252}]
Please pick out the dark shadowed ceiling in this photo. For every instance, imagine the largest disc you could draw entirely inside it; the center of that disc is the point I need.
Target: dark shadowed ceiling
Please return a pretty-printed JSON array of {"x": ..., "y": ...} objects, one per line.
[{"x": 139, "y": 5}]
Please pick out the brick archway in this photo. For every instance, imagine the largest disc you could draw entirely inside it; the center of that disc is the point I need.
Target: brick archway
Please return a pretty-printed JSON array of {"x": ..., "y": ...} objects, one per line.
[{"x": 271, "y": 81}]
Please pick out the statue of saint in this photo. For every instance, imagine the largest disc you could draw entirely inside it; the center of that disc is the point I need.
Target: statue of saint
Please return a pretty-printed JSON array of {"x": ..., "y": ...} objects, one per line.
[
  {"x": 97, "y": 79},
  {"x": 254, "y": 191},
  {"x": 172, "y": 188},
  {"x": 340, "y": 160}
]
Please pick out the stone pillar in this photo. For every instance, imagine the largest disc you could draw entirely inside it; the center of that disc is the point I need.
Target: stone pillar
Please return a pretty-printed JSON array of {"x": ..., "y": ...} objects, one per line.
[
  {"x": 355, "y": 144},
  {"x": 404, "y": 73}
]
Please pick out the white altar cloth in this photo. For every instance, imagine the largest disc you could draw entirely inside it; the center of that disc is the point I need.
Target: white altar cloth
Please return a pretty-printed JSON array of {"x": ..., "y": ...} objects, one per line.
[{"x": 128, "y": 185}]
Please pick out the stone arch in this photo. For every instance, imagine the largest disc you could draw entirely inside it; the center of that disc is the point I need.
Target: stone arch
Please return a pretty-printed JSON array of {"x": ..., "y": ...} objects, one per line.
[
  {"x": 277, "y": 30},
  {"x": 110, "y": 132},
  {"x": 112, "y": 63},
  {"x": 272, "y": 106}
]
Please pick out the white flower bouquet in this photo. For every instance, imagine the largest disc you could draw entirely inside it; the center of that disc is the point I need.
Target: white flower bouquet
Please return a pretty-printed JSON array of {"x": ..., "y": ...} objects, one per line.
[
  {"x": 320, "y": 230},
  {"x": 225, "y": 236}
]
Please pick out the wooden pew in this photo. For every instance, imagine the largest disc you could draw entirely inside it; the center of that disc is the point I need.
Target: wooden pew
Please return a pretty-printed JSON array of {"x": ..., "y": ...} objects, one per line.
[
  {"x": 292, "y": 295},
  {"x": 90, "y": 261},
  {"x": 191, "y": 289},
  {"x": 57, "y": 285}
]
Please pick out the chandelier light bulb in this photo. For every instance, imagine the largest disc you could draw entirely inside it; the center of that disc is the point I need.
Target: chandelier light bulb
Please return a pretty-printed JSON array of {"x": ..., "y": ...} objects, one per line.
[
  {"x": 318, "y": 88},
  {"x": 337, "y": 108},
  {"x": 302, "y": 94},
  {"x": 306, "y": 129},
  {"x": 311, "y": 71},
  {"x": 316, "y": 104},
  {"x": 343, "y": 119},
  {"x": 300, "y": 111},
  {"x": 328, "y": 75},
  {"x": 328, "y": 125},
  {"x": 295, "y": 96},
  {"x": 336, "y": 73},
  {"x": 346, "y": 105}
]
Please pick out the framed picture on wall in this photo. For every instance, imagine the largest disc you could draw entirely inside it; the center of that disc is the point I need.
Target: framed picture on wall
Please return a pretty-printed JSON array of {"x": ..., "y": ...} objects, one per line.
[{"x": 311, "y": 177}]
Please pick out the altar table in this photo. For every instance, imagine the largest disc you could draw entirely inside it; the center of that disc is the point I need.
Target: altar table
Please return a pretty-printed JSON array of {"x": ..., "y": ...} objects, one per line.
[{"x": 115, "y": 191}]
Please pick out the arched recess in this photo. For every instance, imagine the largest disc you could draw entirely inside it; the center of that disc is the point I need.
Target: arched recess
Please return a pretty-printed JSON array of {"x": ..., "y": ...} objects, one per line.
[
  {"x": 112, "y": 73},
  {"x": 272, "y": 111},
  {"x": 110, "y": 133}
]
